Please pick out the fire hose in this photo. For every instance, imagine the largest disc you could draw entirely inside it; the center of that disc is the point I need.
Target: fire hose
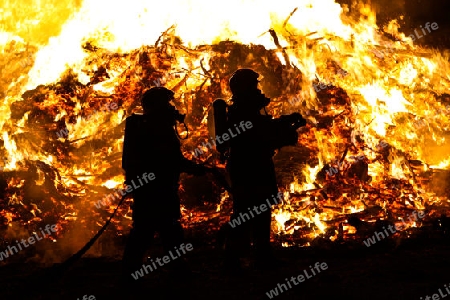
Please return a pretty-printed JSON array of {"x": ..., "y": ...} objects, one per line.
[{"x": 58, "y": 269}]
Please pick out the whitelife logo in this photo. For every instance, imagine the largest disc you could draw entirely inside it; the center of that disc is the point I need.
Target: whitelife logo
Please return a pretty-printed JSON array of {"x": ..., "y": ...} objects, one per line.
[
  {"x": 318, "y": 87},
  {"x": 342, "y": 165},
  {"x": 161, "y": 81},
  {"x": 433, "y": 26},
  {"x": 225, "y": 136},
  {"x": 436, "y": 296},
  {"x": 125, "y": 191},
  {"x": 166, "y": 259},
  {"x": 5, "y": 162},
  {"x": 85, "y": 297},
  {"x": 381, "y": 53},
  {"x": 31, "y": 241},
  {"x": 27, "y": 62},
  {"x": 380, "y": 235},
  {"x": 237, "y": 221},
  {"x": 105, "y": 108},
  {"x": 274, "y": 292},
  {"x": 426, "y": 122}
]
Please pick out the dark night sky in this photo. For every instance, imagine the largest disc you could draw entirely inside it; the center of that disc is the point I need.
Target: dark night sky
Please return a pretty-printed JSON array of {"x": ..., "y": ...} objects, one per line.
[
  {"x": 416, "y": 13},
  {"x": 414, "y": 10}
]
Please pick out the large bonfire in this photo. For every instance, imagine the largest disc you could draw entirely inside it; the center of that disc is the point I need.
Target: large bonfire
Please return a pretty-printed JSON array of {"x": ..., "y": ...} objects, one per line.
[{"x": 374, "y": 149}]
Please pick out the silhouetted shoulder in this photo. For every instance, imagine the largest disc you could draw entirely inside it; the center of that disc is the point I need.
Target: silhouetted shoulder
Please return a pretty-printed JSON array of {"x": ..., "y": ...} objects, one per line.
[{"x": 135, "y": 118}]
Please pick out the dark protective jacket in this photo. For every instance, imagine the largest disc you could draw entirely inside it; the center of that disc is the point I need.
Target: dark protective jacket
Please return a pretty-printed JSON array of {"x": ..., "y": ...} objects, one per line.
[
  {"x": 151, "y": 146},
  {"x": 250, "y": 163}
]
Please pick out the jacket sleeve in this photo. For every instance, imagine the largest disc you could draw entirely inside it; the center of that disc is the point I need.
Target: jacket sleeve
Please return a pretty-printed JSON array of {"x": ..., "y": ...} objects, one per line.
[
  {"x": 271, "y": 133},
  {"x": 283, "y": 134}
]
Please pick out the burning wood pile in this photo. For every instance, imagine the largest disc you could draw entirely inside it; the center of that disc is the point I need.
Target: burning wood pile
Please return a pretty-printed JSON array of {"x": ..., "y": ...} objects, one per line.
[{"x": 373, "y": 151}]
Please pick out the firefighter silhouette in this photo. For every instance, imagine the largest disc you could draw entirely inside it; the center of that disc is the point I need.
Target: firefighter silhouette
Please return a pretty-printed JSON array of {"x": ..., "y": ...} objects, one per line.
[
  {"x": 249, "y": 156},
  {"x": 151, "y": 146}
]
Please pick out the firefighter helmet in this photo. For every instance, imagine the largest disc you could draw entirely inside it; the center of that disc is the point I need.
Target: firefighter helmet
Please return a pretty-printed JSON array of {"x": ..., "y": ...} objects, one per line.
[
  {"x": 243, "y": 80},
  {"x": 156, "y": 97}
]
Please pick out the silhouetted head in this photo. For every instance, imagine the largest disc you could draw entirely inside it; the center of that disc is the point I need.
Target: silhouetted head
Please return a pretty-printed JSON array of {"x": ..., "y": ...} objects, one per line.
[
  {"x": 156, "y": 99},
  {"x": 156, "y": 103},
  {"x": 246, "y": 95},
  {"x": 244, "y": 81}
]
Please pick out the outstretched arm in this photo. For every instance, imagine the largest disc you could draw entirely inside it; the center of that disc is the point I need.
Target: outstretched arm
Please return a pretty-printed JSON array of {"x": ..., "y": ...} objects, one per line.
[
  {"x": 285, "y": 130},
  {"x": 273, "y": 134}
]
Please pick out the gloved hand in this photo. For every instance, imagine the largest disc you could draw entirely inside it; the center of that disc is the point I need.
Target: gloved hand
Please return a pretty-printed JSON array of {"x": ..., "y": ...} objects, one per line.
[{"x": 297, "y": 120}]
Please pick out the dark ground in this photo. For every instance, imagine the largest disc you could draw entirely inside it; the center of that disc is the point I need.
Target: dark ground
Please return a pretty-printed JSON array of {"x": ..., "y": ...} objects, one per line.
[{"x": 416, "y": 268}]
